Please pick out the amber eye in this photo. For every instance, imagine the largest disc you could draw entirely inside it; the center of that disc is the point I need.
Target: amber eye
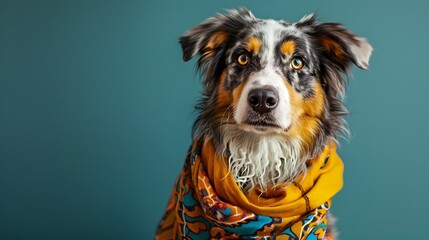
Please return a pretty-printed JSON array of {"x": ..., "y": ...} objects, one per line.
[
  {"x": 243, "y": 59},
  {"x": 297, "y": 63}
]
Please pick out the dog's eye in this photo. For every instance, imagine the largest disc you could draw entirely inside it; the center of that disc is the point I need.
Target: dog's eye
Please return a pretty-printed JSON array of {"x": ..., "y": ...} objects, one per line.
[
  {"x": 243, "y": 59},
  {"x": 297, "y": 63}
]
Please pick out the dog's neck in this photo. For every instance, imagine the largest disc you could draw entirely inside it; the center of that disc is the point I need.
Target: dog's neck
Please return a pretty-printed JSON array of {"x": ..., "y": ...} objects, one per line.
[{"x": 261, "y": 160}]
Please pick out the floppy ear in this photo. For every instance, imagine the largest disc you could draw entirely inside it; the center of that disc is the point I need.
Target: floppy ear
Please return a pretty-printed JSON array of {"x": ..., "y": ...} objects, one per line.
[
  {"x": 343, "y": 46},
  {"x": 340, "y": 45},
  {"x": 211, "y": 35}
]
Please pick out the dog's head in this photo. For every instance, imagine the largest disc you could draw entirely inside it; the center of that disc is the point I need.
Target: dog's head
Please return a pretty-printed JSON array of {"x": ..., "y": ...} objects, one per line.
[{"x": 273, "y": 78}]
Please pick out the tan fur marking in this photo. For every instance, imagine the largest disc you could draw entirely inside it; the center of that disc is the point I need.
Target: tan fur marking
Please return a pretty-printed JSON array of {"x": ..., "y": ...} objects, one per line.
[
  {"x": 306, "y": 114},
  {"x": 254, "y": 45},
  {"x": 236, "y": 93},
  {"x": 224, "y": 97},
  {"x": 332, "y": 47},
  {"x": 214, "y": 41},
  {"x": 288, "y": 47},
  {"x": 314, "y": 106},
  {"x": 224, "y": 101}
]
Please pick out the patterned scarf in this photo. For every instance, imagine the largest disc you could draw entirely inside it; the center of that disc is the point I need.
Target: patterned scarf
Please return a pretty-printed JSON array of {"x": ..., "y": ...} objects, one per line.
[{"x": 206, "y": 202}]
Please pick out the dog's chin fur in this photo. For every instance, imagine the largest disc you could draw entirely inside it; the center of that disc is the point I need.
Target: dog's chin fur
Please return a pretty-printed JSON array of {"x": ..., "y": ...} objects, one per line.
[{"x": 261, "y": 160}]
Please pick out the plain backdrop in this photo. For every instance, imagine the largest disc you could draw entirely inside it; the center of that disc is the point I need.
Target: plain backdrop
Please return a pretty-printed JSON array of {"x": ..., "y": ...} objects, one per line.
[{"x": 96, "y": 108}]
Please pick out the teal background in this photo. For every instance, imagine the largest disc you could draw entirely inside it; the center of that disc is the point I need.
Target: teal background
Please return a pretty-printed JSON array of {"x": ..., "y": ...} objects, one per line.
[{"x": 96, "y": 108}]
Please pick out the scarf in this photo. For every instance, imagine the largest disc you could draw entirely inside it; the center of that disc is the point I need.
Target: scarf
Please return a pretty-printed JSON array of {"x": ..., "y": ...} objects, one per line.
[{"x": 206, "y": 202}]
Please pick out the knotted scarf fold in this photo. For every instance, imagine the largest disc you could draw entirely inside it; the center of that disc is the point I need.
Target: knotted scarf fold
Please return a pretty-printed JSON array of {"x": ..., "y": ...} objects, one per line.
[{"x": 206, "y": 202}]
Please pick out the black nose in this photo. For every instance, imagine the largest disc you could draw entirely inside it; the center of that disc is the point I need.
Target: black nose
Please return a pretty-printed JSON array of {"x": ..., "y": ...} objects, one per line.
[{"x": 263, "y": 100}]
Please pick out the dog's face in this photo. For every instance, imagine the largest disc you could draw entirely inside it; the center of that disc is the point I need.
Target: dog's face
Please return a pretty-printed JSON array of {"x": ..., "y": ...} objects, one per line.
[{"x": 270, "y": 77}]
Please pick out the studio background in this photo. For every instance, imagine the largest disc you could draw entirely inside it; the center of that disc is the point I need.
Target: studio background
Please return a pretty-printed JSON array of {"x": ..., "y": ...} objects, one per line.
[{"x": 96, "y": 109}]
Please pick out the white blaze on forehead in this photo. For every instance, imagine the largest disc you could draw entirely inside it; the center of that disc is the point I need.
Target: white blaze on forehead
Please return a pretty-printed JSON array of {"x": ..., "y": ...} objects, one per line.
[
  {"x": 269, "y": 76},
  {"x": 271, "y": 33}
]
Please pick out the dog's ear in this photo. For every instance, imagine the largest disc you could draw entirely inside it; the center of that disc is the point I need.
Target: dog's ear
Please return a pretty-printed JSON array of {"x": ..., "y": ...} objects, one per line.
[
  {"x": 337, "y": 48},
  {"x": 339, "y": 45},
  {"x": 211, "y": 35}
]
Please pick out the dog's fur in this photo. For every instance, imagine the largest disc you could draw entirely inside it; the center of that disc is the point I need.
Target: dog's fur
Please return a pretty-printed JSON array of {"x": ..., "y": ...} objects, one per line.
[{"x": 271, "y": 148}]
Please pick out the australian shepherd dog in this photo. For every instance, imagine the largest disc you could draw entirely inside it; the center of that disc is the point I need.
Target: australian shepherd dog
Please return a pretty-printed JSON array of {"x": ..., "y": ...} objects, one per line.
[{"x": 272, "y": 92}]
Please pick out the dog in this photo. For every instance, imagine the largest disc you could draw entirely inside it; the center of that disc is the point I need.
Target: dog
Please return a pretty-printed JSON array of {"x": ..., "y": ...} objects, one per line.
[{"x": 263, "y": 164}]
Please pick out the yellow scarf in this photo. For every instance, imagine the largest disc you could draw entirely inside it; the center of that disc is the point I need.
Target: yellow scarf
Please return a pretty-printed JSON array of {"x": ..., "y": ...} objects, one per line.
[{"x": 206, "y": 202}]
